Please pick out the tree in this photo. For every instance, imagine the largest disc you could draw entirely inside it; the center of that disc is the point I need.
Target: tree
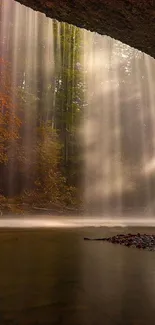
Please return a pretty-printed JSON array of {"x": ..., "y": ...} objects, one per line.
[
  {"x": 49, "y": 184},
  {"x": 9, "y": 121}
]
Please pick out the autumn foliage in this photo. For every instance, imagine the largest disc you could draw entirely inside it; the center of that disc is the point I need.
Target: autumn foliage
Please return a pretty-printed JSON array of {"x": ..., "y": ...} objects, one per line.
[
  {"x": 39, "y": 153},
  {"x": 49, "y": 186},
  {"x": 9, "y": 121}
]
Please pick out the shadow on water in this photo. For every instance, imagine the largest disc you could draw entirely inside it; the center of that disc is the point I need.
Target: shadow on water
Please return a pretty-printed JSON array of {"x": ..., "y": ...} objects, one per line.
[
  {"x": 42, "y": 284},
  {"x": 55, "y": 277}
]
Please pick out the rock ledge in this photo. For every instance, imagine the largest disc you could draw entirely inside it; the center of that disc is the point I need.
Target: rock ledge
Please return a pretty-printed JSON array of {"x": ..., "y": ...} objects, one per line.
[{"x": 130, "y": 21}]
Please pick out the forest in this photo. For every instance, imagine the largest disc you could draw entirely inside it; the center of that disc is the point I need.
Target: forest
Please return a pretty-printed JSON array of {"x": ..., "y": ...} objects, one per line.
[
  {"x": 76, "y": 119},
  {"x": 41, "y": 107}
]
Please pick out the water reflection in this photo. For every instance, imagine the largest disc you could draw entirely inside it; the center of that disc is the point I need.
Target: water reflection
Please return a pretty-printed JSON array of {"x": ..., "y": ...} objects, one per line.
[
  {"x": 120, "y": 292},
  {"x": 57, "y": 278},
  {"x": 51, "y": 221}
]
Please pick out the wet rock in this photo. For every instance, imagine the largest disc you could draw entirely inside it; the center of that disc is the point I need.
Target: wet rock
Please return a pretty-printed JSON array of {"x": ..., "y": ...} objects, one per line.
[
  {"x": 140, "y": 241},
  {"x": 131, "y": 22}
]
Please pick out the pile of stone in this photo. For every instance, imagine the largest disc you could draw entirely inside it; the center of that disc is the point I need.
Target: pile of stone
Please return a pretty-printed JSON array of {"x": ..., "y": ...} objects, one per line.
[{"x": 140, "y": 241}]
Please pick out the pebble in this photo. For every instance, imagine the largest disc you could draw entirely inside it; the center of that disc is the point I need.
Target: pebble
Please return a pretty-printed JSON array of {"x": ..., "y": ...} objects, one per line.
[{"x": 140, "y": 241}]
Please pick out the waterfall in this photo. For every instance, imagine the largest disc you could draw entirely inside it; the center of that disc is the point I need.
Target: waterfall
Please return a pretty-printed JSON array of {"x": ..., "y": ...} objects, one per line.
[
  {"x": 40, "y": 64},
  {"x": 27, "y": 43},
  {"x": 119, "y": 129},
  {"x": 62, "y": 80}
]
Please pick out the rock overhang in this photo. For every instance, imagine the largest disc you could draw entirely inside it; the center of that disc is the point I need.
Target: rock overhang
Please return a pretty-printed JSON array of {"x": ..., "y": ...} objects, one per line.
[{"x": 130, "y": 21}]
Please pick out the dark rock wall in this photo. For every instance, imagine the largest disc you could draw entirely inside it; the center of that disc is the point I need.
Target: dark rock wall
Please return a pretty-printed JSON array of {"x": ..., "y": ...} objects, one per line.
[{"x": 130, "y": 21}]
